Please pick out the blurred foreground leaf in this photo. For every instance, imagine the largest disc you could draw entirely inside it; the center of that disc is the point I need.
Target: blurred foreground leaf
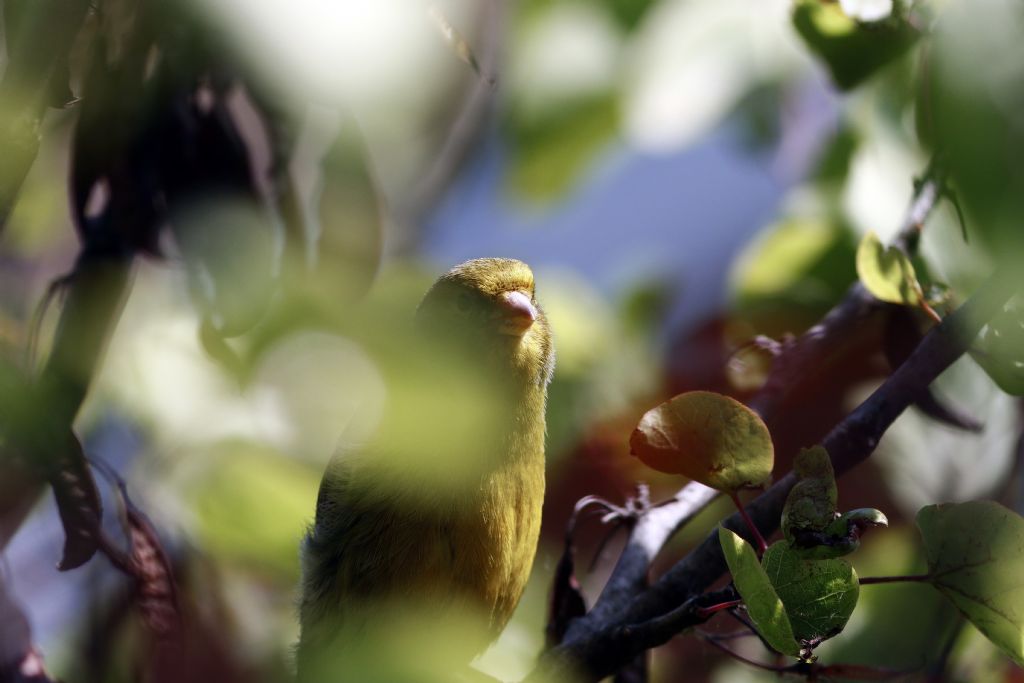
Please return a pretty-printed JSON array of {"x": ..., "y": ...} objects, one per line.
[
  {"x": 551, "y": 150},
  {"x": 972, "y": 113},
  {"x": 975, "y": 554},
  {"x": 867, "y": 10},
  {"x": 793, "y": 273},
  {"x": 852, "y": 51},
  {"x": 754, "y": 586},
  {"x": 253, "y": 506},
  {"x": 707, "y": 437}
]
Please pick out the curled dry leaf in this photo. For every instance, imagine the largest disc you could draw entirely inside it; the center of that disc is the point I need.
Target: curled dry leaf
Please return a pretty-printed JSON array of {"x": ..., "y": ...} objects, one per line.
[
  {"x": 707, "y": 437},
  {"x": 78, "y": 502},
  {"x": 157, "y": 596}
]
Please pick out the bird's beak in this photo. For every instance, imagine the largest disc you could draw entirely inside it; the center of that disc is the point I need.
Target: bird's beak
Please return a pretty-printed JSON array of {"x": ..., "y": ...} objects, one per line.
[{"x": 517, "y": 314}]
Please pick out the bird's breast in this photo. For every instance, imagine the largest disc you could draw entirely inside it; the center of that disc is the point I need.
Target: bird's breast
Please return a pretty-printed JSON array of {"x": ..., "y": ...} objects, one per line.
[{"x": 495, "y": 544}]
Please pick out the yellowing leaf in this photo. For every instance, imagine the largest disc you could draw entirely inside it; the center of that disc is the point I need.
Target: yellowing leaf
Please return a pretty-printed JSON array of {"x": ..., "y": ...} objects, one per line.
[
  {"x": 819, "y": 595},
  {"x": 763, "y": 604},
  {"x": 886, "y": 272},
  {"x": 975, "y": 556},
  {"x": 707, "y": 437}
]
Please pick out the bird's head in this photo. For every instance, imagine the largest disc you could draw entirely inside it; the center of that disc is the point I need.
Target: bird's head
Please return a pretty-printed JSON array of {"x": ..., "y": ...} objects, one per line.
[{"x": 488, "y": 306}]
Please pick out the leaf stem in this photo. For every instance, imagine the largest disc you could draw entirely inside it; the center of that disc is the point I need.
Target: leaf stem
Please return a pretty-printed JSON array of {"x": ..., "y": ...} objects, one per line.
[
  {"x": 761, "y": 545},
  {"x": 705, "y": 612},
  {"x": 910, "y": 578},
  {"x": 924, "y": 305}
]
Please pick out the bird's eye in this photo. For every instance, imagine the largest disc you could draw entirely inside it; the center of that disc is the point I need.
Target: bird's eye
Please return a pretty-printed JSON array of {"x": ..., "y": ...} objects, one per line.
[{"x": 464, "y": 302}]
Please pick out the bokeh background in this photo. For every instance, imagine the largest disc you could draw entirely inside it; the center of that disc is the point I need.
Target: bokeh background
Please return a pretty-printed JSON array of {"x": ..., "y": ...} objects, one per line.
[{"x": 681, "y": 175}]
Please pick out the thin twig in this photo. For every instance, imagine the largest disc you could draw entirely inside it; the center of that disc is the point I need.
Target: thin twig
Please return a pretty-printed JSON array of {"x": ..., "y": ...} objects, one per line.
[
  {"x": 910, "y": 578},
  {"x": 740, "y": 658}
]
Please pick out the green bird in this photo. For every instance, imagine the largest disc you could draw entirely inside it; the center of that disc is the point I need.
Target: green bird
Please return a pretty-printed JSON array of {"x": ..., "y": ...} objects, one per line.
[{"x": 438, "y": 515}]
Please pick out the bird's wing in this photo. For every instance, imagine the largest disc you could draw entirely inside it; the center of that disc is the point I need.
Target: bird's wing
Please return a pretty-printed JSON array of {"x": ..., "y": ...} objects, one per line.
[{"x": 364, "y": 546}]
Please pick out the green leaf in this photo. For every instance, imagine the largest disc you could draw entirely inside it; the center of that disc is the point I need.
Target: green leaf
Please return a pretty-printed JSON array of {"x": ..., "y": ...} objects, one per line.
[
  {"x": 811, "y": 504},
  {"x": 792, "y": 273},
  {"x": 763, "y": 604},
  {"x": 251, "y": 505},
  {"x": 552, "y": 148},
  {"x": 819, "y": 595},
  {"x": 707, "y": 437},
  {"x": 1000, "y": 348},
  {"x": 975, "y": 555},
  {"x": 810, "y": 521},
  {"x": 969, "y": 111},
  {"x": 852, "y": 51},
  {"x": 628, "y": 13},
  {"x": 886, "y": 272}
]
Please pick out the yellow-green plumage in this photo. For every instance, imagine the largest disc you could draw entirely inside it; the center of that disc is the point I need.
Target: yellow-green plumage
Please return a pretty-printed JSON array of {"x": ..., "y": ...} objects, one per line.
[{"x": 440, "y": 515}]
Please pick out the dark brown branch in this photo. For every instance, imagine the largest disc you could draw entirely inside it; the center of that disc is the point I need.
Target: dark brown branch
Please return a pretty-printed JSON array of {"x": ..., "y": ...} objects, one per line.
[
  {"x": 96, "y": 291},
  {"x": 595, "y": 647}
]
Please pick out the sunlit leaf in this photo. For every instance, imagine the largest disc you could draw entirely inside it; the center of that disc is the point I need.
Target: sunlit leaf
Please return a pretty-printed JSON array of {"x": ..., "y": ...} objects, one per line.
[
  {"x": 851, "y": 50},
  {"x": 707, "y": 437},
  {"x": 763, "y": 604},
  {"x": 975, "y": 555},
  {"x": 866, "y": 10},
  {"x": 819, "y": 595},
  {"x": 886, "y": 272}
]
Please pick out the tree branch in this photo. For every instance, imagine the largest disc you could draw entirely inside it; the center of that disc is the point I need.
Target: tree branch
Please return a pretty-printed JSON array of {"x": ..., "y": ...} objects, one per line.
[
  {"x": 590, "y": 648},
  {"x": 812, "y": 349}
]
